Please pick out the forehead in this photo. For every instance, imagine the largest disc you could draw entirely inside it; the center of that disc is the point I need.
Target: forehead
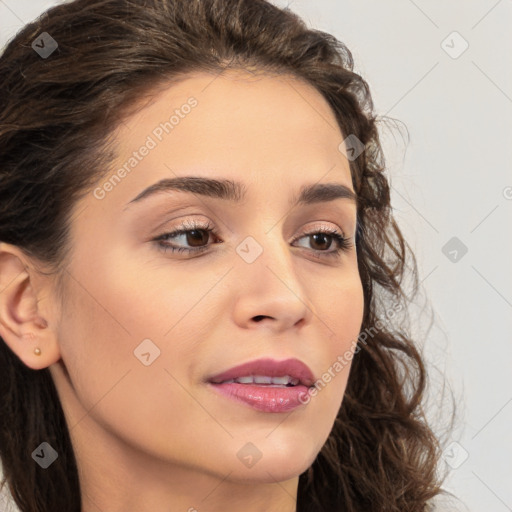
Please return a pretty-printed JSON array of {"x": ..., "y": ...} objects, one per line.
[
  {"x": 272, "y": 132},
  {"x": 261, "y": 96},
  {"x": 266, "y": 115}
]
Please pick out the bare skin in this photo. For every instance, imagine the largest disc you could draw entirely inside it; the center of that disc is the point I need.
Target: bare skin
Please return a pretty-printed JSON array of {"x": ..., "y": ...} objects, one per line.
[{"x": 157, "y": 437}]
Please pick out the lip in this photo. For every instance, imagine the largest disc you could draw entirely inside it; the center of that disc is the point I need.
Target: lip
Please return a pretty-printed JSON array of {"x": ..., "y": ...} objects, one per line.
[
  {"x": 270, "y": 367},
  {"x": 263, "y": 397}
]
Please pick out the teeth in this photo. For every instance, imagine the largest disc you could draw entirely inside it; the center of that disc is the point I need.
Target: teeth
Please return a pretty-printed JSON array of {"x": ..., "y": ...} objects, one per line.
[
  {"x": 281, "y": 380},
  {"x": 260, "y": 379},
  {"x": 244, "y": 380},
  {"x": 265, "y": 379}
]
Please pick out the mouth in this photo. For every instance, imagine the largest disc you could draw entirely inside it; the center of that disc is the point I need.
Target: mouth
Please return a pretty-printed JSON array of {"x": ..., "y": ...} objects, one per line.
[
  {"x": 263, "y": 380},
  {"x": 289, "y": 372},
  {"x": 265, "y": 384}
]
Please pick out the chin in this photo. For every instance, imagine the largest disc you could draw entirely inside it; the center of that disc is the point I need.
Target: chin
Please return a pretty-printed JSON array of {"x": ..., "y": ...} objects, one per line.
[
  {"x": 279, "y": 462},
  {"x": 268, "y": 473}
]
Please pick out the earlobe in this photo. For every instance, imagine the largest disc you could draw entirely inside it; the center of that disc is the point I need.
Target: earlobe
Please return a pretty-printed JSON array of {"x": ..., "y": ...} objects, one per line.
[{"x": 23, "y": 326}]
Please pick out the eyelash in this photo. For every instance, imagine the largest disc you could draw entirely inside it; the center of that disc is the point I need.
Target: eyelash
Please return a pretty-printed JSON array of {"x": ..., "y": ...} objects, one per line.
[{"x": 344, "y": 244}]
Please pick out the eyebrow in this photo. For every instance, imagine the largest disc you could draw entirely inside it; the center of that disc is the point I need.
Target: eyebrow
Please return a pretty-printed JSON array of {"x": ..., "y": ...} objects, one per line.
[{"x": 234, "y": 191}]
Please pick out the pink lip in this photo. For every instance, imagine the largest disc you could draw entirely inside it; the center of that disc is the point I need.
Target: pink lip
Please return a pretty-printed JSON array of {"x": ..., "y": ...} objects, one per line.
[
  {"x": 264, "y": 398},
  {"x": 261, "y": 396},
  {"x": 270, "y": 367}
]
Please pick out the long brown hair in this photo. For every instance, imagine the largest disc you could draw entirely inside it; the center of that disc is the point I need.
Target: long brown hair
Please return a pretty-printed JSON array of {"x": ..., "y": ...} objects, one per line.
[{"x": 56, "y": 115}]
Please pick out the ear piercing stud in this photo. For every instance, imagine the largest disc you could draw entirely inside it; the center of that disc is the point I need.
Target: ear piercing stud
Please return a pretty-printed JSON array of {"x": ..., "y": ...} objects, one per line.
[{"x": 37, "y": 351}]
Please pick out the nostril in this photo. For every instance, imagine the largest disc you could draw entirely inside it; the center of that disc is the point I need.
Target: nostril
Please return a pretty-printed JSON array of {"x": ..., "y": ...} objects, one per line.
[{"x": 259, "y": 317}]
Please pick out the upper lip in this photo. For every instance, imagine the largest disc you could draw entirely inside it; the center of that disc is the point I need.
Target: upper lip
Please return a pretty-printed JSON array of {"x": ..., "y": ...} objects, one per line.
[{"x": 270, "y": 368}]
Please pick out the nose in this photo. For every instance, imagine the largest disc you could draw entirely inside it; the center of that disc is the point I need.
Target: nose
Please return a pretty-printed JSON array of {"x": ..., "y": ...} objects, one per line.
[{"x": 269, "y": 290}]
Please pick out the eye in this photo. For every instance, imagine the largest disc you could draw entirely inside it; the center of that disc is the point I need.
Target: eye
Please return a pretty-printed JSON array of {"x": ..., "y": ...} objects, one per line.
[
  {"x": 325, "y": 236},
  {"x": 193, "y": 233},
  {"x": 197, "y": 234}
]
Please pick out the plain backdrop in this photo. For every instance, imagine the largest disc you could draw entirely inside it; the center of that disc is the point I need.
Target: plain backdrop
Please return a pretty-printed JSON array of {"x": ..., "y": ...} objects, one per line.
[{"x": 443, "y": 70}]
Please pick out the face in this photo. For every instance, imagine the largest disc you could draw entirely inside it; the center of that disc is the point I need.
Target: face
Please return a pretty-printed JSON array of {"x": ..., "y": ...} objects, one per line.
[{"x": 153, "y": 311}]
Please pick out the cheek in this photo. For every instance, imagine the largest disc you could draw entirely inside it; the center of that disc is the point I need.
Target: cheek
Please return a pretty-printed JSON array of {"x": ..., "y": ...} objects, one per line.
[
  {"x": 95, "y": 348},
  {"x": 154, "y": 297},
  {"x": 343, "y": 315},
  {"x": 109, "y": 384},
  {"x": 343, "y": 308}
]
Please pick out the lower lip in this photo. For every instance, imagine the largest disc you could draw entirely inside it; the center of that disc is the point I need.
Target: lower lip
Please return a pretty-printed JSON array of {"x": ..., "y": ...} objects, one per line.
[{"x": 264, "y": 397}]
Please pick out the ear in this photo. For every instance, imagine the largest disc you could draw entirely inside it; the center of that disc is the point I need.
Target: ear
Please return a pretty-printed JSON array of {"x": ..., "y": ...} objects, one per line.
[{"x": 25, "y": 322}]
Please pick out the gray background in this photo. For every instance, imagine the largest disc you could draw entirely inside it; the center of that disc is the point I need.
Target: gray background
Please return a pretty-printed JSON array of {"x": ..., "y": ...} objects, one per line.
[{"x": 451, "y": 177}]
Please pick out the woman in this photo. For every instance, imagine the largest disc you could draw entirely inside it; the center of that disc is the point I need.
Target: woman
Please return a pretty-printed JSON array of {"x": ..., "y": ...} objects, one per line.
[{"x": 201, "y": 276}]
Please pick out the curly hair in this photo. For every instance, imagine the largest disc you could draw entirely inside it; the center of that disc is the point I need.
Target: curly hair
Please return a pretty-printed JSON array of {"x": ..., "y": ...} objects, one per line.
[{"x": 57, "y": 115}]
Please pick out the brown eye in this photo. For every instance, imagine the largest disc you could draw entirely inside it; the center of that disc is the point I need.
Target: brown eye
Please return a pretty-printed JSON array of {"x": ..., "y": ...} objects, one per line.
[
  {"x": 197, "y": 237},
  {"x": 322, "y": 239},
  {"x": 189, "y": 237}
]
